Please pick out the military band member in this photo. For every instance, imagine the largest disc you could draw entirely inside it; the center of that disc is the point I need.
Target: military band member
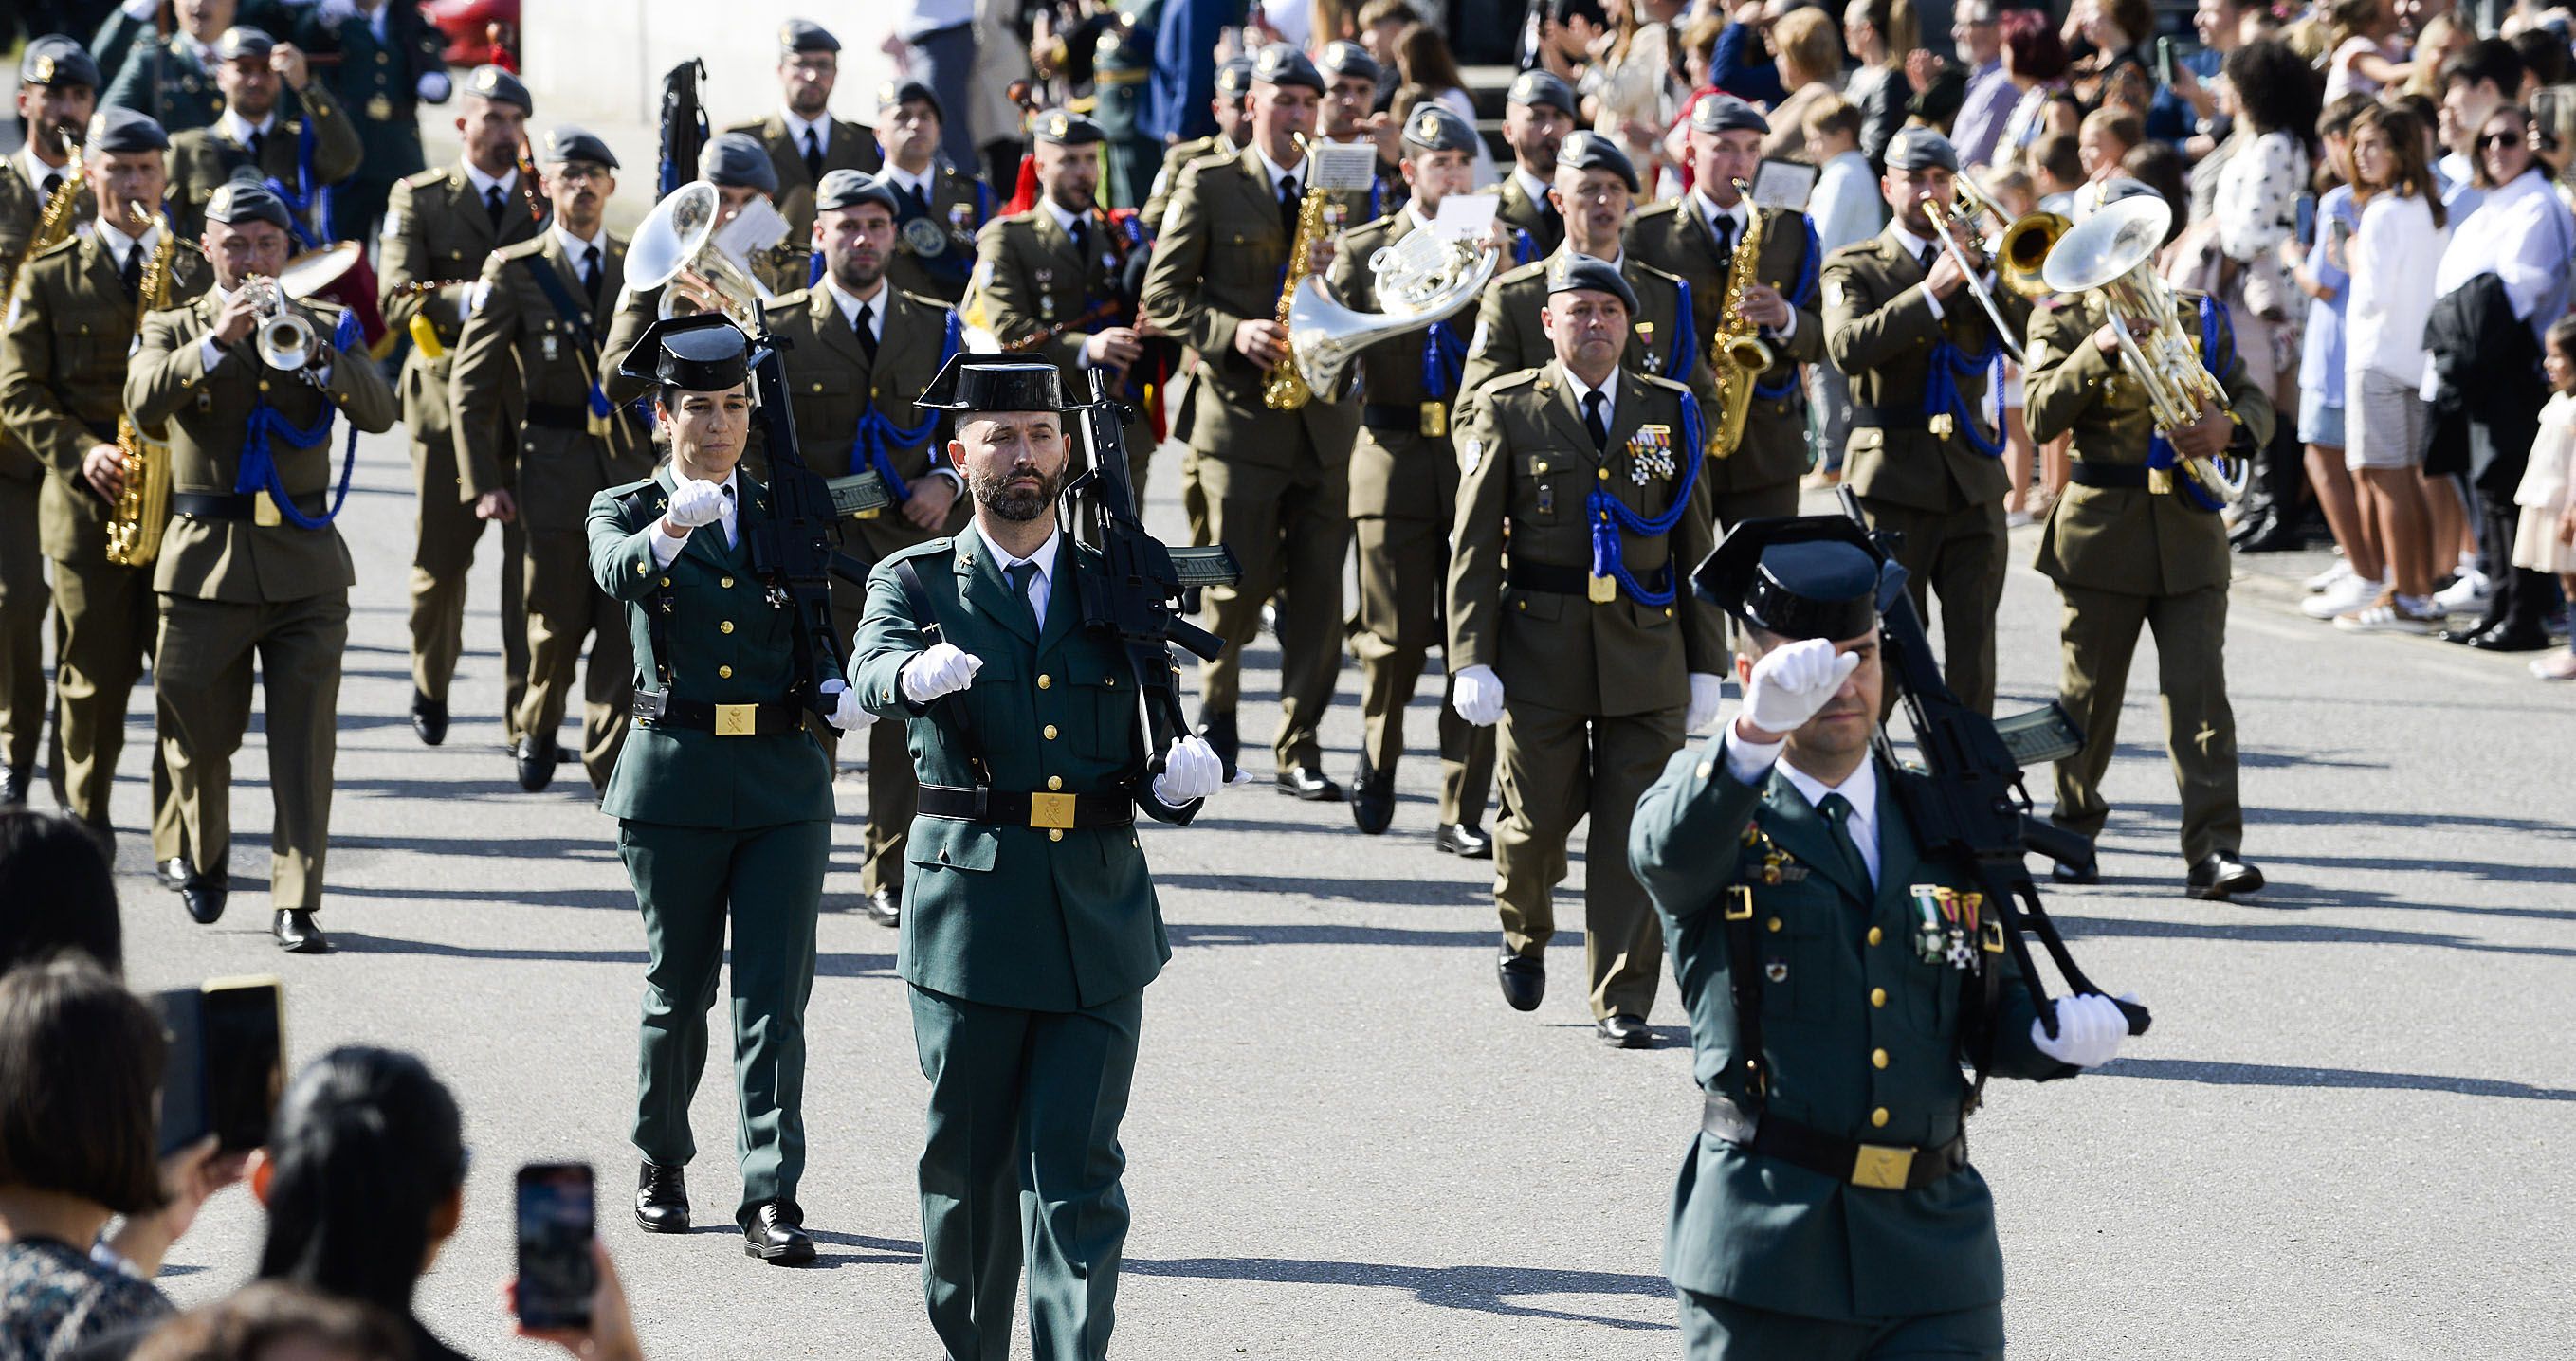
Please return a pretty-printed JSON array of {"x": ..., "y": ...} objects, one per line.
[
  {"x": 391, "y": 61},
  {"x": 1052, "y": 282},
  {"x": 1594, "y": 656},
  {"x": 1352, "y": 78},
  {"x": 440, "y": 225},
  {"x": 62, "y": 389},
  {"x": 723, "y": 798},
  {"x": 805, "y": 142},
  {"x": 525, "y": 378},
  {"x": 250, "y": 564},
  {"x": 57, "y": 91},
  {"x": 1828, "y": 1208},
  {"x": 1233, "y": 110},
  {"x": 1273, "y": 486},
  {"x": 1538, "y": 112},
  {"x": 941, "y": 207},
  {"x": 168, "y": 76},
  {"x": 859, "y": 351},
  {"x": 1030, "y": 927},
  {"x": 257, "y": 133},
  {"x": 1404, "y": 493},
  {"x": 742, "y": 174},
  {"x": 1694, "y": 236},
  {"x": 2130, "y": 550},
  {"x": 1920, "y": 351}
]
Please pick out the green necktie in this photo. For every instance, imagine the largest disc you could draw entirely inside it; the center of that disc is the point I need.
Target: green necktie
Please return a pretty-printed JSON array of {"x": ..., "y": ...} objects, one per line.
[
  {"x": 1837, "y": 811},
  {"x": 1021, "y": 575}
]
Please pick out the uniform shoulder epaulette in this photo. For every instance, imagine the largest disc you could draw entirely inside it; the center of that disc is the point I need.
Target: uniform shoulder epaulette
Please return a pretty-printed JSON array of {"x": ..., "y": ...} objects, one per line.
[
  {"x": 1516, "y": 378},
  {"x": 624, "y": 490},
  {"x": 1535, "y": 269},
  {"x": 1650, "y": 271},
  {"x": 62, "y": 247},
  {"x": 1213, "y": 157},
  {"x": 754, "y": 126},
  {"x": 938, "y": 307},
  {"x": 1657, "y": 380},
  {"x": 534, "y": 245},
  {"x": 422, "y": 179},
  {"x": 939, "y": 547},
  {"x": 1867, "y": 246},
  {"x": 1666, "y": 208},
  {"x": 1371, "y": 229}
]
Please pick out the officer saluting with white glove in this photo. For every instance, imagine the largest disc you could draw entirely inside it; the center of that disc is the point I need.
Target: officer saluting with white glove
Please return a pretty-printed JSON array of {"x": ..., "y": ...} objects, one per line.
[{"x": 1829, "y": 1210}]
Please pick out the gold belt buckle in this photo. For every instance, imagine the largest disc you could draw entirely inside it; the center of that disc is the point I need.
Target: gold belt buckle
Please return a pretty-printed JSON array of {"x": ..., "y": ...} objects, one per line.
[
  {"x": 737, "y": 720},
  {"x": 1435, "y": 419},
  {"x": 263, "y": 510},
  {"x": 2160, "y": 481},
  {"x": 1739, "y": 903},
  {"x": 1601, "y": 590},
  {"x": 1882, "y": 1167},
  {"x": 1051, "y": 810},
  {"x": 1990, "y": 937}
]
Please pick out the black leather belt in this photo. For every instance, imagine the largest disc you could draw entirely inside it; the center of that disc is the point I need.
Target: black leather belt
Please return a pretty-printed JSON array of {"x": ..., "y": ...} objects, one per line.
[
  {"x": 1887, "y": 418},
  {"x": 1558, "y": 579},
  {"x": 1883, "y": 1167},
  {"x": 558, "y": 416},
  {"x": 2130, "y": 475},
  {"x": 204, "y": 505},
  {"x": 724, "y": 720},
  {"x": 1013, "y": 808}
]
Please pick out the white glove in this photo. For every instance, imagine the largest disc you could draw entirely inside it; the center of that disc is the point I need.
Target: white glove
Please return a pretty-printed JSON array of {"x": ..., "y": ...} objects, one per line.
[
  {"x": 1478, "y": 696},
  {"x": 695, "y": 502},
  {"x": 433, "y": 87},
  {"x": 1792, "y": 682},
  {"x": 848, "y": 714},
  {"x": 1191, "y": 770},
  {"x": 941, "y": 669},
  {"x": 1706, "y": 691},
  {"x": 475, "y": 293},
  {"x": 2089, "y": 1030}
]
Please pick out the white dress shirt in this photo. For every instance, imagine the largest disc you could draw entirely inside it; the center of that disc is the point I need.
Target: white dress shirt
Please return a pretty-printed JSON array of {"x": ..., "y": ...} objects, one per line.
[
  {"x": 1915, "y": 246},
  {"x": 850, "y": 303},
  {"x": 919, "y": 184},
  {"x": 1041, "y": 586},
  {"x": 36, "y": 170},
  {"x": 575, "y": 247},
  {"x": 1609, "y": 397},
  {"x": 1533, "y": 186},
  {"x": 1280, "y": 172},
  {"x": 119, "y": 245},
  {"x": 666, "y": 548},
  {"x": 1749, "y": 763},
  {"x": 797, "y": 128},
  {"x": 241, "y": 129}
]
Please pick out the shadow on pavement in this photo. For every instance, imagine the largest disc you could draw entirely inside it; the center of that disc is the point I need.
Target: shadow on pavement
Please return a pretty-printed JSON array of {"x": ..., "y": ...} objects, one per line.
[
  {"x": 2285, "y": 1075},
  {"x": 1484, "y": 1289},
  {"x": 1325, "y": 933},
  {"x": 360, "y": 943},
  {"x": 1385, "y": 892},
  {"x": 2285, "y": 934}
]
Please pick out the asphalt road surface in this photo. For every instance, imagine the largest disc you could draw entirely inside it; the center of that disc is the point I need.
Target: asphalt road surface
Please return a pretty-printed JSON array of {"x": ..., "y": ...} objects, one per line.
[{"x": 2348, "y": 1135}]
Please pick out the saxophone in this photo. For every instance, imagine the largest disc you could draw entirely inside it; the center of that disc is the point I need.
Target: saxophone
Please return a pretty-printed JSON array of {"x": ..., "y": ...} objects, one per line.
[
  {"x": 1737, "y": 350},
  {"x": 143, "y": 507},
  {"x": 1285, "y": 389},
  {"x": 53, "y": 223}
]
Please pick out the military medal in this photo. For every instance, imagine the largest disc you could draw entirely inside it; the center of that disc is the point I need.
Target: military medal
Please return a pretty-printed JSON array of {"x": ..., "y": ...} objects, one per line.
[
  {"x": 1546, "y": 493},
  {"x": 958, "y": 213},
  {"x": 1931, "y": 904},
  {"x": 924, "y": 237},
  {"x": 1046, "y": 294},
  {"x": 1646, "y": 338},
  {"x": 1650, "y": 454},
  {"x": 548, "y": 343},
  {"x": 380, "y": 109},
  {"x": 1963, "y": 929}
]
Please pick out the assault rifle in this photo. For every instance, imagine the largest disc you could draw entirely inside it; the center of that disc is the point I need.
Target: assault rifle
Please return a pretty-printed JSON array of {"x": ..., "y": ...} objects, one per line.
[{"x": 797, "y": 548}]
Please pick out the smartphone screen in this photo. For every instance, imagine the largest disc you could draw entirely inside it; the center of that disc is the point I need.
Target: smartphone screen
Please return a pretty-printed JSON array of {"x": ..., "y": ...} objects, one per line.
[
  {"x": 556, "y": 1277},
  {"x": 227, "y": 1062},
  {"x": 2165, "y": 62},
  {"x": 2307, "y": 225}
]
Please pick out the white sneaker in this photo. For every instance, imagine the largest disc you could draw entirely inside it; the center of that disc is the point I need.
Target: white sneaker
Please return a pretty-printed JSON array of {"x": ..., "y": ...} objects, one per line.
[
  {"x": 2468, "y": 595},
  {"x": 2340, "y": 572},
  {"x": 2387, "y": 613},
  {"x": 2341, "y": 597}
]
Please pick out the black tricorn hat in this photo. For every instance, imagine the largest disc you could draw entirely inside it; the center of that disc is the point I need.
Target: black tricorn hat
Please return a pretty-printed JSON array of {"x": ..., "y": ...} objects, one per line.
[
  {"x": 703, "y": 352},
  {"x": 986, "y": 382},
  {"x": 1809, "y": 576}
]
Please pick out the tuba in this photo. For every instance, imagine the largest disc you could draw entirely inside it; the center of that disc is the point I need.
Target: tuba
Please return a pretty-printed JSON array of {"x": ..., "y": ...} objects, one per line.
[
  {"x": 1736, "y": 349},
  {"x": 143, "y": 507},
  {"x": 1420, "y": 279},
  {"x": 2111, "y": 255},
  {"x": 676, "y": 246}
]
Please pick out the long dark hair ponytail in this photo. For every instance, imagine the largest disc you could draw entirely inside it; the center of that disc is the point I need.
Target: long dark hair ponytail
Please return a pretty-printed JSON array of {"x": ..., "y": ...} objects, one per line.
[{"x": 367, "y": 1146}]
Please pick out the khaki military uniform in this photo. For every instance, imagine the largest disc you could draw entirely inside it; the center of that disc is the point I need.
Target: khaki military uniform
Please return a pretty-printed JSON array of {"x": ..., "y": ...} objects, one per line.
[
  {"x": 1595, "y": 690},
  {"x": 1760, "y": 476},
  {"x": 2126, "y": 558},
  {"x": 232, "y": 587},
  {"x": 1273, "y": 486},
  {"x": 851, "y": 146},
  {"x": 62, "y": 389},
  {"x": 1176, "y": 159},
  {"x": 438, "y": 231},
  {"x": 1510, "y": 336},
  {"x": 1535, "y": 218},
  {"x": 1915, "y": 470},
  {"x": 1035, "y": 294},
  {"x": 24, "y": 596},
  {"x": 833, "y": 386},
  {"x": 201, "y": 159},
  {"x": 936, "y": 257},
  {"x": 1404, "y": 496},
  {"x": 520, "y": 342}
]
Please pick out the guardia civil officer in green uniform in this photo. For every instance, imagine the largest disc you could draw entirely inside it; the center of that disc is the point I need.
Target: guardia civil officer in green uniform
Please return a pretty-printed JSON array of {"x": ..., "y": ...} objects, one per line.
[
  {"x": 1920, "y": 352},
  {"x": 1581, "y": 502},
  {"x": 2131, "y": 548},
  {"x": 1030, "y": 928},
  {"x": 1826, "y": 1209},
  {"x": 391, "y": 60},
  {"x": 172, "y": 77},
  {"x": 723, "y": 796},
  {"x": 1233, "y": 110}
]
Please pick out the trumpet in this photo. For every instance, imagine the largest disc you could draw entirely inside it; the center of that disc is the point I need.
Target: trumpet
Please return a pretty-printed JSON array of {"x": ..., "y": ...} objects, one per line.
[{"x": 284, "y": 337}]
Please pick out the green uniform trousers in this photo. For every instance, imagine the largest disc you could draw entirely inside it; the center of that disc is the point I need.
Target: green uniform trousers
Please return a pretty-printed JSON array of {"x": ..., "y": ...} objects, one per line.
[
  {"x": 109, "y": 618},
  {"x": 1404, "y": 578},
  {"x": 1023, "y": 1158},
  {"x": 446, "y": 531},
  {"x": 1715, "y": 1329},
  {"x": 1736, "y": 507},
  {"x": 1959, "y": 553},
  {"x": 566, "y": 606},
  {"x": 1290, "y": 528},
  {"x": 202, "y": 672},
  {"x": 1558, "y": 766},
  {"x": 23, "y": 602},
  {"x": 2101, "y": 636},
  {"x": 688, "y": 880}
]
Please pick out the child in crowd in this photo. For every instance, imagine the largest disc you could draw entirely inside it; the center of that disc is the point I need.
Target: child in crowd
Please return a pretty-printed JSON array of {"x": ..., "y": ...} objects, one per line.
[{"x": 2544, "y": 540}]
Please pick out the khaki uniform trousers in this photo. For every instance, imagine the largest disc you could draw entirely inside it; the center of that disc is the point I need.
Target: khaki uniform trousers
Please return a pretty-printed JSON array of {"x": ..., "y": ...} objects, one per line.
[
  {"x": 23, "y": 602},
  {"x": 202, "y": 666},
  {"x": 1290, "y": 529},
  {"x": 1959, "y": 553},
  {"x": 565, "y": 606},
  {"x": 110, "y": 619},
  {"x": 446, "y": 531},
  {"x": 1557, "y": 767},
  {"x": 2101, "y": 636},
  {"x": 1404, "y": 576}
]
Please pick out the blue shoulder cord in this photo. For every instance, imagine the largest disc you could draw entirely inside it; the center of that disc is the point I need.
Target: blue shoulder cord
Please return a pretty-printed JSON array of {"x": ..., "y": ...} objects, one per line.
[
  {"x": 2160, "y": 451},
  {"x": 303, "y": 197},
  {"x": 1444, "y": 357},
  {"x": 258, "y": 470},
  {"x": 877, "y": 434},
  {"x": 1610, "y": 515},
  {"x": 1942, "y": 397},
  {"x": 1524, "y": 247},
  {"x": 1803, "y": 295},
  {"x": 1685, "y": 345}
]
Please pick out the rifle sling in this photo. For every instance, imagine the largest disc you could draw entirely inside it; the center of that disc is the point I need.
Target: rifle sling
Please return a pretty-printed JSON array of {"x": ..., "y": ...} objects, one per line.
[{"x": 926, "y": 615}]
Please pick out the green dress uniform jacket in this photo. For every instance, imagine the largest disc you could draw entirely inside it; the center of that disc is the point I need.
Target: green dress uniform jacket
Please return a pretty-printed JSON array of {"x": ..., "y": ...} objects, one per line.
[
  {"x": 1860, "y": 1039},
  {"x": 1536, "y": 218},
  {"x": 1031, "y": 282},
  {"x": 1761, "y": 476},
  {"x": 377, "y": 81},
  {"x": 958, "y": 208},
  {"x": 851, "y": 146},
  {"x": 167, "y": 78},
  {"x": 201, "y": 159},
  {"x": 1510, "y": 335}
]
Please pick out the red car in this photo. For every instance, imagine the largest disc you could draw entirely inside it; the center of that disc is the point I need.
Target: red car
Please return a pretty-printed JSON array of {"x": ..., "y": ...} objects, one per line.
[{"x": 470, "y": 28}]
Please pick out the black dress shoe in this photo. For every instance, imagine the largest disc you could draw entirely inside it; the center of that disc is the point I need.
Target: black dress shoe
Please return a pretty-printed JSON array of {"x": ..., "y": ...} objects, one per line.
[
  {"x": 1217, "y": 726},
  {"x": 536, "y": 763},
  {"x": 1524, "y": 980},
  {"x": 1464, "y": 840},
  {"x": 1309, "y": 784},
  {"x": 2090, "y": 872},
  {"x": 2507, "y": 638},
  {"x": 297, "y": 934},
  {"x": 2221, "y": 876},
  {"x": 776, "y": 1235},
  {"x": 662, "y": 1198},
  {"x": 428, "y": 718},
  {"x": 1372, "y": 798},
  {"x": 175, "y": 872},
  {"x": 203, "y": 895},
  {"x": 1621, "y": 1030},
  {"x": 884, "y": 906},
  {"x": 2275, "y": 534}
]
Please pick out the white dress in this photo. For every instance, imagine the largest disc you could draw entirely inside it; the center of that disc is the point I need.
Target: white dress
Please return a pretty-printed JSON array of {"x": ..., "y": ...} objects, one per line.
[{"x": 2547, "y": 482}]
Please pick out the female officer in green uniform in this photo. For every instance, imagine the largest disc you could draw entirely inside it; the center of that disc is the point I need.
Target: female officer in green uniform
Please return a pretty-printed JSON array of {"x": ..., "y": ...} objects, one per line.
[{"x": 723, "y": 799}]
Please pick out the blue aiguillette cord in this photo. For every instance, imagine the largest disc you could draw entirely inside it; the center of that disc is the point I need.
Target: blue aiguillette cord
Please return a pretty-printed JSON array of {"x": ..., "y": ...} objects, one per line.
[
  {"x": 1803, "y": 295},
  {"x": 1444, "y": 357},
  {"x": 1942, "y": 397},
  {"x": 1610, "y": 515},
  {"x": 258, "y": 470},
  {"x": 877, "y": 435}
]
